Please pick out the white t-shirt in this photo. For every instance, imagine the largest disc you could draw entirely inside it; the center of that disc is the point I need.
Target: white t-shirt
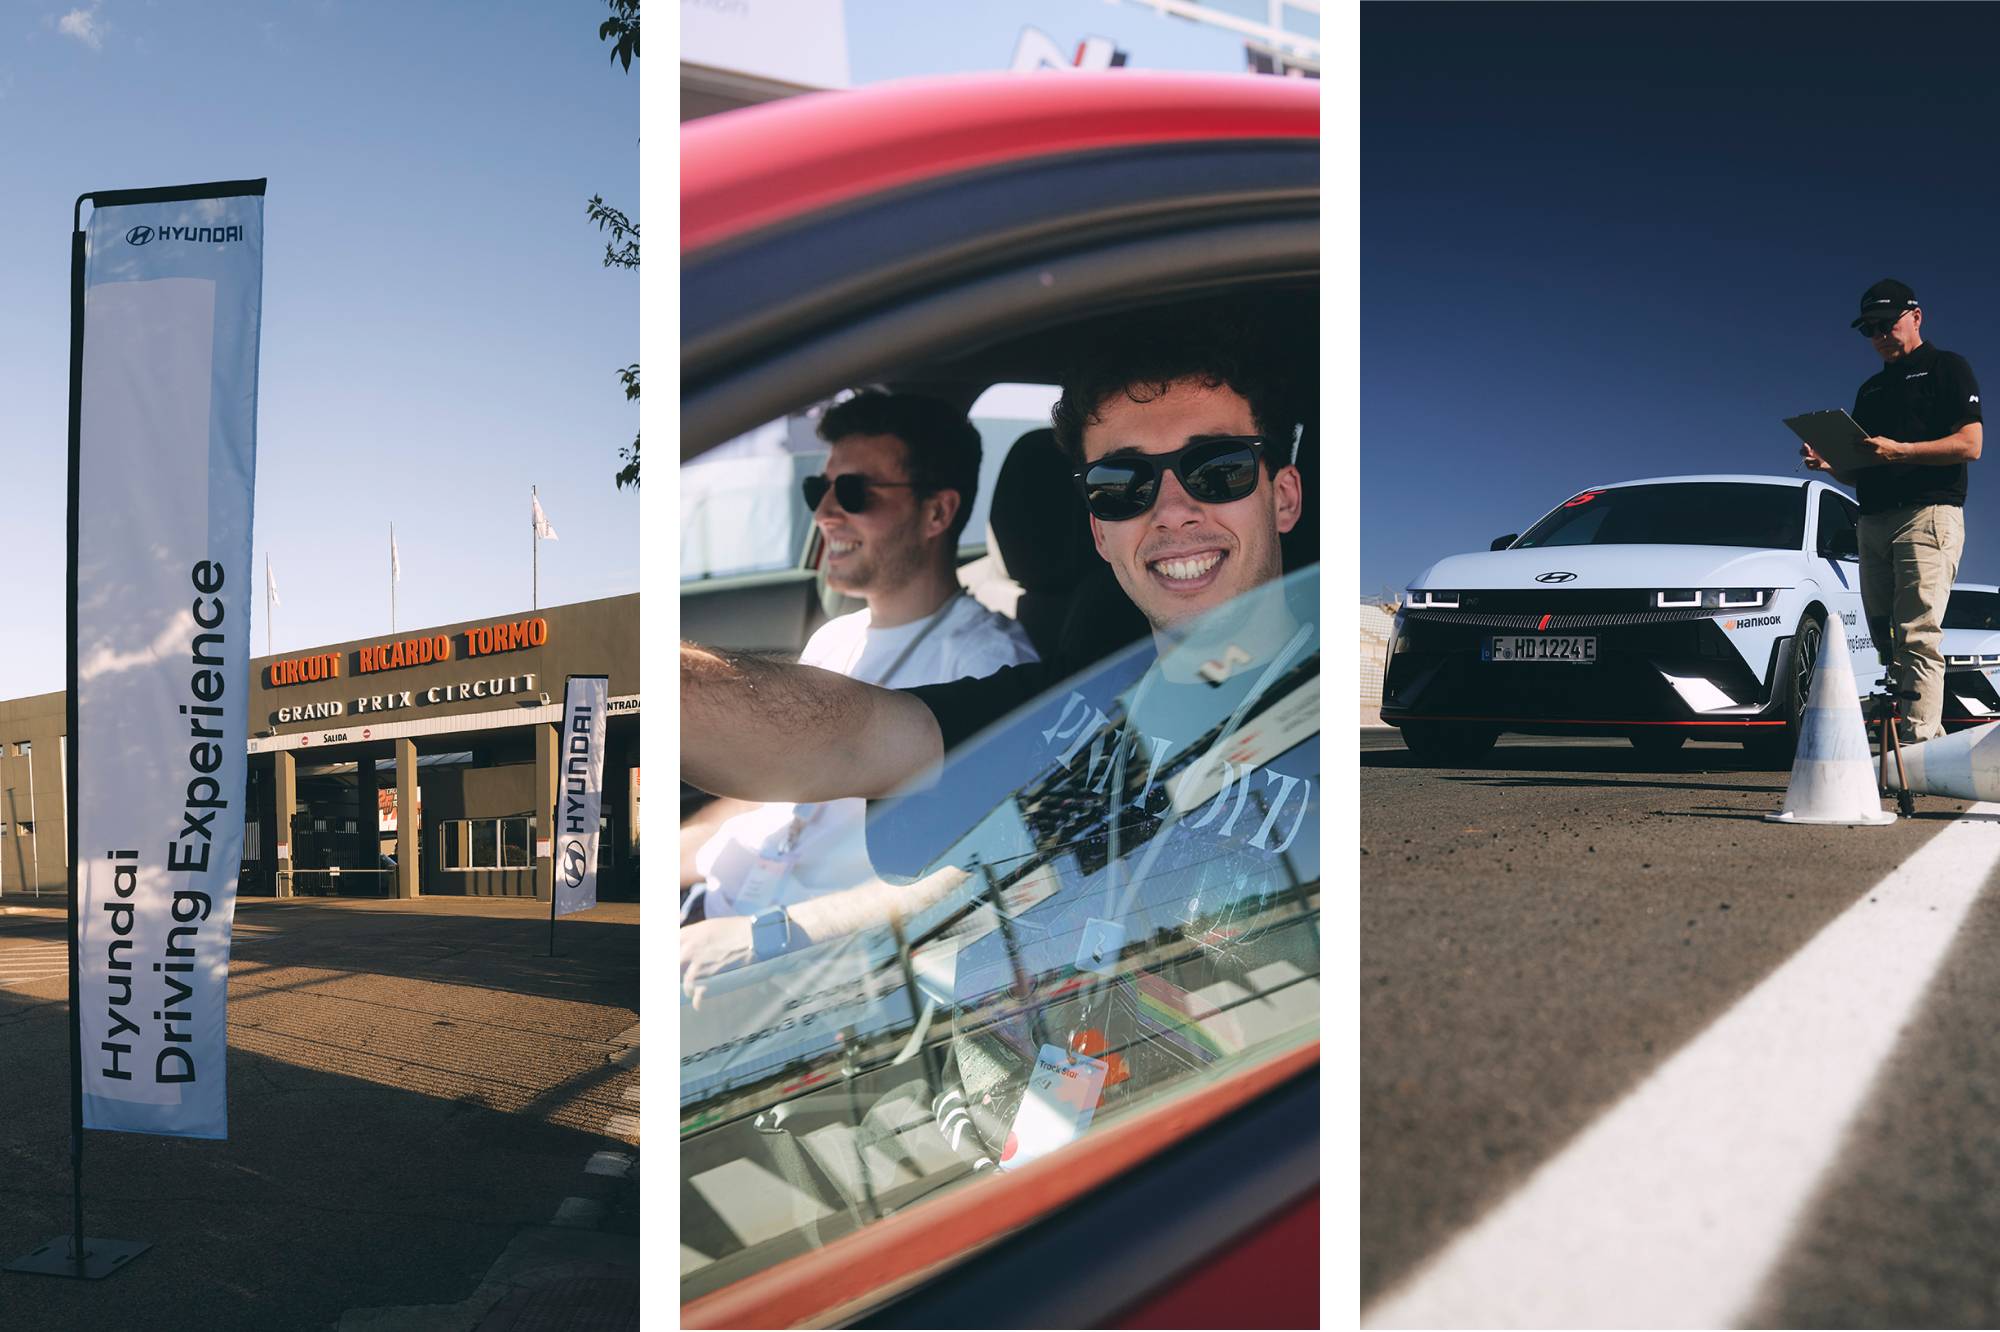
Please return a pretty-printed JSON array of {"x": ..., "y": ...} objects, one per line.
[{"x": 782, "y": 853}]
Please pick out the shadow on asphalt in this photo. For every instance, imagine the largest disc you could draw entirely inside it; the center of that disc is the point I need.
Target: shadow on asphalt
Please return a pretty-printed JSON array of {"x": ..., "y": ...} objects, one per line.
[
  {"x": 508, "y": 954},
  {"x": 333, "y": 1192},
  {"x": 1633, "y": 784},
  {"x": 1560, "y": 758},
  {"x": 596, "y": 962}
]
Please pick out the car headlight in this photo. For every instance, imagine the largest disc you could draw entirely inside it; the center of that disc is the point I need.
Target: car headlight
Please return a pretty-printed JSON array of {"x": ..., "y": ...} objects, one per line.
[
  {"x": 1714, "y": 598},
  {"x": 1425, "y": 599}
]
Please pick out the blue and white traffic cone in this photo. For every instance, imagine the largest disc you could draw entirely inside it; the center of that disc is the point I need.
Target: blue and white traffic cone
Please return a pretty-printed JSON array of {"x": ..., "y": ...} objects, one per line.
[
  {"x": 1833, "y": 775},
  {"x": 1965, "y": 766}
]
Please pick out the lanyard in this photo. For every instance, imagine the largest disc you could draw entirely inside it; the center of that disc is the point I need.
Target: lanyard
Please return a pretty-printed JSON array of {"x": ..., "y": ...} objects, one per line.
[
  {"x": 799, "y": 825},
  {"x": 937, "y": 617}
]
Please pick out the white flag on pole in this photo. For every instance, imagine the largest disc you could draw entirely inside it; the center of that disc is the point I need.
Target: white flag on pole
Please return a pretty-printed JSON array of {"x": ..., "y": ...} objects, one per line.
[
  {"x": 542, "y": 529},
  {"x": 271, "y": 585},
  {"x": 580, "y": 792},
  {"x": 167, "y": 337},
  {"x": 395, "y": 561}
]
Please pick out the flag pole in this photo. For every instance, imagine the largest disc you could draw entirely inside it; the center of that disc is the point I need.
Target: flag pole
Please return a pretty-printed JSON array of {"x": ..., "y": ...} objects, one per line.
[
  {"x": 267, "y": 603},
  {"x": 87, "y": 1259},
  {"x": 535, "y": 542},
  {"x": 392, "y": 578},
  {"x": 78, "y": 252},
  {"x": 554, "y": 809}
]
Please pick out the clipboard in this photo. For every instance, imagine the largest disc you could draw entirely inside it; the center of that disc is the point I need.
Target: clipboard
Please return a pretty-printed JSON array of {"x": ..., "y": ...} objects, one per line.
[{"x": 1836, "y": 437}]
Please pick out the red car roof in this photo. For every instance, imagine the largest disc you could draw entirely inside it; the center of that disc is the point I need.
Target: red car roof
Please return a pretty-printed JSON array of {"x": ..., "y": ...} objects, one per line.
[{"x": 747, "y": 169}]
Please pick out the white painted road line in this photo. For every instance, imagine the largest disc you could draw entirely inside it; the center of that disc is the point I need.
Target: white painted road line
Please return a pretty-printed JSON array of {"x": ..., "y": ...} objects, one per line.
[
  {"x": 1670, "y": 1210},
  {"x": 24, "y": 964}
]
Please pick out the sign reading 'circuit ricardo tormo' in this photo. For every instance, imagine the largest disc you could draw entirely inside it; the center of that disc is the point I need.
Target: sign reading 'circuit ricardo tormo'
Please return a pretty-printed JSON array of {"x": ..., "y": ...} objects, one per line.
[{"x": 318, "y": 668}]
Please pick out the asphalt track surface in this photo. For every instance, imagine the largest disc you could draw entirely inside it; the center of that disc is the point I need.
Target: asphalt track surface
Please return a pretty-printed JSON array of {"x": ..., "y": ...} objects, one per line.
[
  {"x": 415, "y": 1088},
  {"x": 1585, "y": 979}
]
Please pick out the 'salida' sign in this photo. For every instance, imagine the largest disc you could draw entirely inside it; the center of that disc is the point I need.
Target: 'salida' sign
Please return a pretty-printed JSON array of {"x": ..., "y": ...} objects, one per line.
[{"x": 163, "y": 466}]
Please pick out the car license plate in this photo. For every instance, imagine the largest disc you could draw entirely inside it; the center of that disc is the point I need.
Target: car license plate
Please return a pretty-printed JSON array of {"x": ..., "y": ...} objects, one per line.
[{"x": 1577, "y": 649}]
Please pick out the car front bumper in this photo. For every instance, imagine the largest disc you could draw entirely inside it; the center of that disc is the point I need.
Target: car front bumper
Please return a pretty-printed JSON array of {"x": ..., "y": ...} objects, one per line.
[{"x": 1674, "y": 672}]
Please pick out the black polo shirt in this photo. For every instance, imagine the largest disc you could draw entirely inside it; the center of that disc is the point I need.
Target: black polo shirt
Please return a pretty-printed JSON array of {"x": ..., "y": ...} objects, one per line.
[{"x": 1926, "y": 395}]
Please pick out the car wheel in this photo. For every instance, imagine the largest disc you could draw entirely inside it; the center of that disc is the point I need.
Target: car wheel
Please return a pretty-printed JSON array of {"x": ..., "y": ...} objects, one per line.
[
  {"x": 1658, "y": 741},
  {"x": 1777, "y": 749},
  {"x": 1443, "y": 742}
]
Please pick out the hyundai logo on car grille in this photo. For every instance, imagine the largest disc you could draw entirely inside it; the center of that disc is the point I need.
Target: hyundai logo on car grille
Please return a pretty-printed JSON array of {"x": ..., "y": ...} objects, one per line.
[{"x": 1559, "y": 576}]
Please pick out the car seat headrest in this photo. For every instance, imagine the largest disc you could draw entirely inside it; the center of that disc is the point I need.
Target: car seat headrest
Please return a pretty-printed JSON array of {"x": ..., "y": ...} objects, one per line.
[{"x": 1038, "y": 518}]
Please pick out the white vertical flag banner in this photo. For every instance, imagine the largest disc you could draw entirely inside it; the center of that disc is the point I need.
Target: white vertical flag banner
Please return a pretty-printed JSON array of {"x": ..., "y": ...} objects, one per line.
[
  {"x": 579, "y": 792},
  {"x": 271, "y": 585},
  {"x": 163, "y": 473},
  {"x": 543, "y": 531}
]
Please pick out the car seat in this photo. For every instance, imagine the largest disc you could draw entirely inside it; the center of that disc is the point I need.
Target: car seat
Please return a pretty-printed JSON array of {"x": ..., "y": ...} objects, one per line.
[{"x": 1043, "y": 533}]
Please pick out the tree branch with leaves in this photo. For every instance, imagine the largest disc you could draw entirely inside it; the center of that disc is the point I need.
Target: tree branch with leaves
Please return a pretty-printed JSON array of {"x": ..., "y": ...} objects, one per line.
[{"x": 622, "y": 249}]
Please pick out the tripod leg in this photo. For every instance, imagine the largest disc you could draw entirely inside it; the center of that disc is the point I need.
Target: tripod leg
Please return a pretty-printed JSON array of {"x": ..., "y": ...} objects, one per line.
[{"x": 1906, "y": 803}]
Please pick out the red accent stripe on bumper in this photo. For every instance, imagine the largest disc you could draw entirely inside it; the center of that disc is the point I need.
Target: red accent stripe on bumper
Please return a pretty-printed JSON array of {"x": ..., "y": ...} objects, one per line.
[{"x": 1573, "y": 721}]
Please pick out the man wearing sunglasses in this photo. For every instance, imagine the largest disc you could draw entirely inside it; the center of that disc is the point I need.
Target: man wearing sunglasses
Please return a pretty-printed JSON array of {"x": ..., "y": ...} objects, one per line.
[
  {"x": 1182, "y": 438},
  {"x": 901, "y": 474},
  {"x": 1921, "y": 412}
]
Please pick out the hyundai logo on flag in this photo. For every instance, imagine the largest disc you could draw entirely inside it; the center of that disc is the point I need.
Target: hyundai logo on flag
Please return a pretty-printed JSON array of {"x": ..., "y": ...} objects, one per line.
[
  {"x": 573, "y": 863},
  {"x": 198, "y": 235},
  {"x": 1558, "y": 576}
]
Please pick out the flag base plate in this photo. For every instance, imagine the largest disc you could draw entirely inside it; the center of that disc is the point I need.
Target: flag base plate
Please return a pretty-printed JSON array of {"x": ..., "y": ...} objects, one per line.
[{"x": 101, "y": 1257}]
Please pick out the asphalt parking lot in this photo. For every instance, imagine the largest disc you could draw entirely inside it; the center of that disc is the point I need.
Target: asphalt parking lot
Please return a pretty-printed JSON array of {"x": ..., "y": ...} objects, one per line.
[
  {"x": 433, "y": 1125},
  {"x": 1601, "y": 994}
]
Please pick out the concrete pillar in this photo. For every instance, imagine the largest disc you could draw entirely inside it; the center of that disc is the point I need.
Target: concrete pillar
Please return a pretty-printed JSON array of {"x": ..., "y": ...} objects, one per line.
[
  {"x": 542, "y": 834},
  {"x": 632, "y": 812},
  {"x": 406, "y": 818},
  {"x": 284, "y": 803}
]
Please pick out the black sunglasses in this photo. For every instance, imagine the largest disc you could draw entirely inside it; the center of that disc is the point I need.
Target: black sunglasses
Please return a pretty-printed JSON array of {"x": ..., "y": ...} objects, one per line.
[
  {"x": 850, "y": 491},
  {"x": 1213, "y": 471},
  {"x": 1876, "y": 327}
]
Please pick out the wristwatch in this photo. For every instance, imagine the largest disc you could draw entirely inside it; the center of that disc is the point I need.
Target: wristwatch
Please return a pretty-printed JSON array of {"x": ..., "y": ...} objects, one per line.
[{"x": 770, "y": 934}]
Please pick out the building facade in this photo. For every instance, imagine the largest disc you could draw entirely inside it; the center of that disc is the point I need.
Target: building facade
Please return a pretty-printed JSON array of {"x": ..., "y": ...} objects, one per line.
[
  {"x": 34, "y": 822},
  {"x": 418, "y": 763}
]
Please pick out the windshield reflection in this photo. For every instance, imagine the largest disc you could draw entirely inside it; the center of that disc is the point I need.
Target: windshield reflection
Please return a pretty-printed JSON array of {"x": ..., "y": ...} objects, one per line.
[{"x": 1131, "y": 866}]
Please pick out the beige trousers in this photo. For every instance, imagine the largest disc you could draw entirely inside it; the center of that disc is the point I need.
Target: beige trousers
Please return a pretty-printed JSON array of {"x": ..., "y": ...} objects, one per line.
[{"x": 1908, "y": 560}]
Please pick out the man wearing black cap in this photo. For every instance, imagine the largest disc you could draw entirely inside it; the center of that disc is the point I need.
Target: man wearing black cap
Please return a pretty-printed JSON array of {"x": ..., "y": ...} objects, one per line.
[{"x": 1922, "y": 416}]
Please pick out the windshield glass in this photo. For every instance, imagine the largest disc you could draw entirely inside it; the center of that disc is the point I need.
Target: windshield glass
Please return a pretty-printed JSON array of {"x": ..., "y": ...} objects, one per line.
[
  {"x": 1972, "y": 610},
  {"x": 742, "y": 511},
  {"x": 1689, "y": 513},
  {"x": 1115, "y": 899}
]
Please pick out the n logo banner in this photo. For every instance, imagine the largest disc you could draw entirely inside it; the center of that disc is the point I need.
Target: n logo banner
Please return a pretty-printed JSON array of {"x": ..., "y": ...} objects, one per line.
[
  {"x": 580, "y": 793},
  {"x": 163, "y": 469}
]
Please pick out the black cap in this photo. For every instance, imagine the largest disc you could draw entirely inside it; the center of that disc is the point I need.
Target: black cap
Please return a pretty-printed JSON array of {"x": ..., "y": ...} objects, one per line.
[{"x": 1886, "y": 300}]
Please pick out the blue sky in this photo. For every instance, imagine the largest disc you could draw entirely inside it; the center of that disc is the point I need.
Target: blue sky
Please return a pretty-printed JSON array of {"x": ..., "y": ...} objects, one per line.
[
  {"x": 1601, "y": 242},
  {"x": 889, "y": 39},
  {"x": 439, "y": 331}
]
